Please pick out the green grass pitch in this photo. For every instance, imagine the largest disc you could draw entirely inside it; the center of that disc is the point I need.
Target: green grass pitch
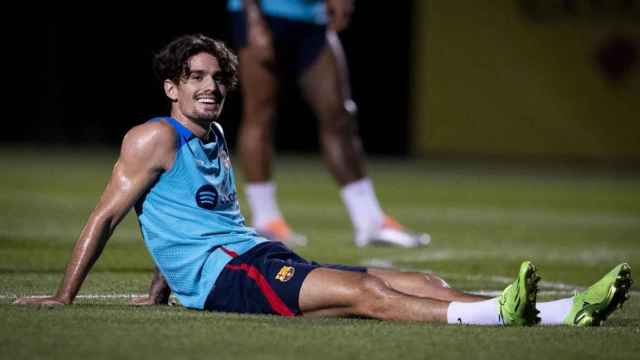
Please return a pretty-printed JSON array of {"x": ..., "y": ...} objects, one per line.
[{"x": 574, "y": 223}]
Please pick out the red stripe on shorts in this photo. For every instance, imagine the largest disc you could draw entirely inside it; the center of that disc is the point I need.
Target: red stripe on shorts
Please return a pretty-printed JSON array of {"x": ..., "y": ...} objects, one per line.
[
  {"x": 274, "y": 300},
  {"x": 231, "y": 253}
]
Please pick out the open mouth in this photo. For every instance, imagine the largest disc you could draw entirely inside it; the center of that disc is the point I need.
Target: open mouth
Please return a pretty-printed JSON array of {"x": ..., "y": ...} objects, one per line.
[{"x": 207, "y": 101}]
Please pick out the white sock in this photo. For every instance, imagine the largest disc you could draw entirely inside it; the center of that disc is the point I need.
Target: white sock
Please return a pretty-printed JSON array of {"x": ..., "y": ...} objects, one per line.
[
  {"x": 474, "y": 313},
  {"x": 262, "y": 201},
  {"x": 362, "y": 205},
  {"x": 554, "y": 312}
]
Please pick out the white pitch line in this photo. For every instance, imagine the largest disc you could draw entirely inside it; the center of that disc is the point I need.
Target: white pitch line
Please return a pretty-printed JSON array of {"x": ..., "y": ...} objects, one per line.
[
  {"x": 83, "y": 296},
  {"x": 527, "y": 216},
  {"x": 593, "y": 255},
  {"x": 496, "y": 215},
  {"x": 492, "y": 293},
  {"x": 555, "y": 293},
  {"x": 496, "y": 293},
  {"x": 546, "y": 286}
]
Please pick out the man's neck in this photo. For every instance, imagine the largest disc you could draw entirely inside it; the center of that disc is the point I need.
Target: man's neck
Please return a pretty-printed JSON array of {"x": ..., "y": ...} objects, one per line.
[{"x": 199, "y": 130}]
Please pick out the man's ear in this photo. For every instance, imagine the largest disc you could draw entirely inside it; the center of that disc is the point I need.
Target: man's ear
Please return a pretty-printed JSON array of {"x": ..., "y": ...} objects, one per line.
[{"x": 171, "y": 90}]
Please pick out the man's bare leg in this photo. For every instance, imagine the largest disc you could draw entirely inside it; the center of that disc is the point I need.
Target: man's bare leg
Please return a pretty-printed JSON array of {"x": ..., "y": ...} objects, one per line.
[
  {"x": 422, "y": 285},
  {"x": 259, "y": 91},
  {"x": 329, "y": 292},
  {"x": 326, "y": 88}
]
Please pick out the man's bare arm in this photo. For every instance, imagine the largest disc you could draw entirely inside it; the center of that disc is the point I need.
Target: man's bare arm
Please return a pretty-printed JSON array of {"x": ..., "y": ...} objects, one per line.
[
  {"x": 159, "y": 292},
  {"x": 146, "y": 151}
]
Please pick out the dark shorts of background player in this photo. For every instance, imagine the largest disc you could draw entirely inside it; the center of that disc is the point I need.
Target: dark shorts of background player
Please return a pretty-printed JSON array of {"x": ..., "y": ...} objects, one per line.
[
  {"x": 296, "y": 44},
  {"x": 265, "y": 280}
]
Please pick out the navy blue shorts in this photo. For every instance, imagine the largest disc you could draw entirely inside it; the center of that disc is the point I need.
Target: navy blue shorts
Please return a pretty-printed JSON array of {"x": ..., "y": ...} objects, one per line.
[
  {"x": 265, "y": 280},
  {"x": 296, "y": 44}
]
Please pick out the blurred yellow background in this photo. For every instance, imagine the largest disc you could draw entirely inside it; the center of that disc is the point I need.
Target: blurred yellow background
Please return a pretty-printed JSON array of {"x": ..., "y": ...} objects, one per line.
[{"x": 497, "y": 78}]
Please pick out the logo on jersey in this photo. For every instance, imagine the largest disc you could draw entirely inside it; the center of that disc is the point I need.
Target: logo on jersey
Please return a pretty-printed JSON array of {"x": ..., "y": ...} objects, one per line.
[
  {"x": 286, "y": 273},
  {"x": 207, "y": 197}
]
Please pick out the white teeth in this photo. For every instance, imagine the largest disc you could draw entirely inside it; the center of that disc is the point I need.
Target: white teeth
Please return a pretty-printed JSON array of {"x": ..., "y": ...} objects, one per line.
[{"x": 206, "y": 101}]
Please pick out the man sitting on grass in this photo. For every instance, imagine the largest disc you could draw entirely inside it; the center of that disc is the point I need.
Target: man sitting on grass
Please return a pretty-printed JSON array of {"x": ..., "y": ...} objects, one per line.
[{"x": 177, "y": 173}]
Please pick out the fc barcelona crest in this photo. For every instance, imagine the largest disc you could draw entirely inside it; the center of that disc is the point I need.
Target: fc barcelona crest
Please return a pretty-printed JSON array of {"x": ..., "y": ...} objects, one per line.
[{"x": 286, "y": 273}]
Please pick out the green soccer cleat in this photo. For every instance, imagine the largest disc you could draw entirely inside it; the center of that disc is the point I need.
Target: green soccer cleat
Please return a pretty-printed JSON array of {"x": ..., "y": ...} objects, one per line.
[
  {"x": 517, "y": 304},
  {"x": 594, "y": 305}
]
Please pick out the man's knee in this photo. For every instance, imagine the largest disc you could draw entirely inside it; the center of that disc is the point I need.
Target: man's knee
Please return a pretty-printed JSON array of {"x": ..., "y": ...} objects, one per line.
[
  {"x": 374, "y": 297},
  {"x": 429, "y": 279},
  {"x": 338, "y": 119},
  {"x": 258, "y": 113},
  {"x": 437, "y": 280}
]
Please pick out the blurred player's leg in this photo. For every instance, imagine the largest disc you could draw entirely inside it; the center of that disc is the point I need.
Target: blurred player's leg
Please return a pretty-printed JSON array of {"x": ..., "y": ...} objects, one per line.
[
  {"x": 259, "y": 90},
  {"x": 327, "y": 91},
  {"x": 326, "y": 88}
]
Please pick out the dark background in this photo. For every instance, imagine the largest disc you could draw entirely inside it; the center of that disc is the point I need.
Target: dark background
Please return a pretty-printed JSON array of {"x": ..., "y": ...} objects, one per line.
[{"x": 86, "y": 79}]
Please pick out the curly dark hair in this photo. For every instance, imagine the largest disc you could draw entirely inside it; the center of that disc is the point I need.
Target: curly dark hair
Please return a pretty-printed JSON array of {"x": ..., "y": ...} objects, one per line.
[{"x": 172, "y": 62}]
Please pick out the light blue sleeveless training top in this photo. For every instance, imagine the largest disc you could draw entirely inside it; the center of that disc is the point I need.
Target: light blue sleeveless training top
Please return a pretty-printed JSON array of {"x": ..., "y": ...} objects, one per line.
[
  {"x": 190, "y": 212},
  {"x": 312, "y": 11}
]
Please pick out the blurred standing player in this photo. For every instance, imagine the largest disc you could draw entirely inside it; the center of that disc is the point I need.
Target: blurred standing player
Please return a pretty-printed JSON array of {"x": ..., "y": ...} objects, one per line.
[{"x": 296, "y": 40}]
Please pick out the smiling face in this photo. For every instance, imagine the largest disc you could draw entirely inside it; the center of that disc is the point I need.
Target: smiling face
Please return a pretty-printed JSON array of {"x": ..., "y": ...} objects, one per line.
[{"x": 199, "y": 95}]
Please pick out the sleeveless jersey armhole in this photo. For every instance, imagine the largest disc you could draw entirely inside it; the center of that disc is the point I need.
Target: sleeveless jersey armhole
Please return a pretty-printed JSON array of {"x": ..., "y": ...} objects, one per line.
[{"x": 183, "y": 135}]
